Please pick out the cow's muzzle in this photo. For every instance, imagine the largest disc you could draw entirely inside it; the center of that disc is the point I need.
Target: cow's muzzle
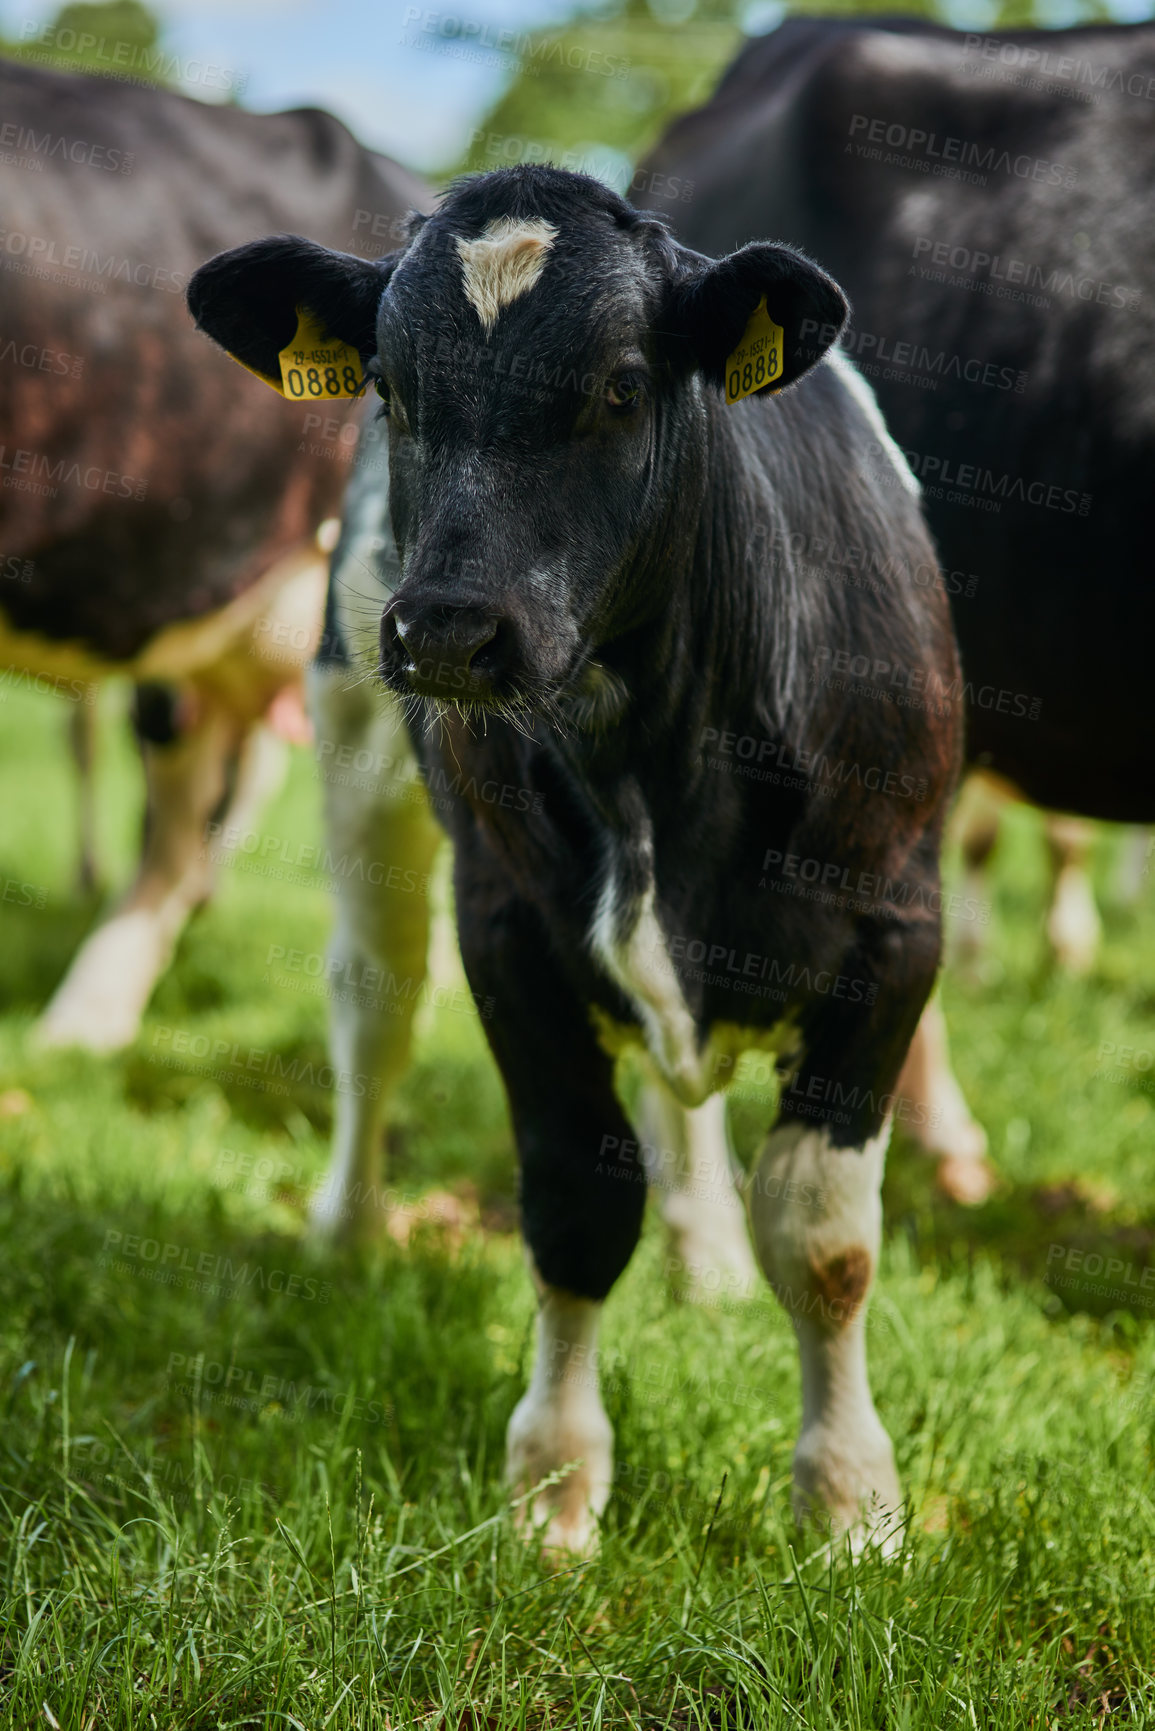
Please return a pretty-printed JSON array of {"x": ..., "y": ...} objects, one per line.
[{"x": 440, "y": 650}]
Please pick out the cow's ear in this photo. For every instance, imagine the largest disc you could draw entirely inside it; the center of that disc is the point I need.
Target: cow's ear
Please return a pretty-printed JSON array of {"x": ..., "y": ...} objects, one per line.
[
  {"x": 247, "y": 300},
  {"x": 718, "y": 308}
]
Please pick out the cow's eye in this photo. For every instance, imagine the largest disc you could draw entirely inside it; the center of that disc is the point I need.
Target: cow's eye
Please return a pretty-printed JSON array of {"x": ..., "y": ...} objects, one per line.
[
  {"x": 625, "y": 392},
  {"x": 380, "y": 385}
]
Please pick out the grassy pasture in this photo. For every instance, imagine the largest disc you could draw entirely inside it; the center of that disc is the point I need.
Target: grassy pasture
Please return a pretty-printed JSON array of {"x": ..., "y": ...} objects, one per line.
[{"x": 244, "y": 1486}]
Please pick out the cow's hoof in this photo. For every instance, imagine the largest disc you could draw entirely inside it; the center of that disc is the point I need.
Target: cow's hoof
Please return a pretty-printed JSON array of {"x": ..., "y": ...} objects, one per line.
[
  {"x": 958, "y": 1145},
  {"x": 84, "y": 1026},
  {"x": 950, "y": 1132},
  {"x": 570, "y": 1533},
  {"x": 967, "y": 1181},
  {"x": 541, "y": 1440},
  {"x": 850, "y": 1489}
]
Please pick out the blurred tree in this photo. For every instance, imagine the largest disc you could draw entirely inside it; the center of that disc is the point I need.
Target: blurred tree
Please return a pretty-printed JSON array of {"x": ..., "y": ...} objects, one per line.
[
  {"x": 596, "y": 92},
  {"x": 114, "y": 36}
]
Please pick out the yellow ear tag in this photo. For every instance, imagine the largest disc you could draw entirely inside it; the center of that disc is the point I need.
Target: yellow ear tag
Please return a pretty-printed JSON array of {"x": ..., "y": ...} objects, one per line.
[
  {"x": 315, "y": 368},
  {"x": 757, "y": 360}
]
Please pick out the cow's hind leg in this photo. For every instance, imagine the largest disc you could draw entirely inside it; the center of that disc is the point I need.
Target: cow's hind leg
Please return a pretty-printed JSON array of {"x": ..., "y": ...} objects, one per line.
[
  {"x": 1073, "y": 925},
  {"x": 101, "y": 999},
  {"x": 377, "y": 816},
  {"x": 975, "y": 824},
  {"x": 936, "y": 1115},
  {"x": 692, "y": 1170}
]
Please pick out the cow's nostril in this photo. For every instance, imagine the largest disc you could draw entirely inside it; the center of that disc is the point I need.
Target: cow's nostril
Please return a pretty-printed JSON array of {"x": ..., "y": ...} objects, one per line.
[
  {"x": 394, "y": 631},
  {"x": 489, "y": 658},
  {"x": 445, "y": 650}
]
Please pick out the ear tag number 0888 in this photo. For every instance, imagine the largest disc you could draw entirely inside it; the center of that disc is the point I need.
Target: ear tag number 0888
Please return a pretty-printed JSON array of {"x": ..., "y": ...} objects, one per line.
[
  {"x": 757, "y": 360},
  {"x": 314, "y": 369}
]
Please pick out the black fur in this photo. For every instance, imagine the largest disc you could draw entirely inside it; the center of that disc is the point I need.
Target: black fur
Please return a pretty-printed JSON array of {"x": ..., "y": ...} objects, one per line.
[
  {"x": 156, "y": 713},
  {"x": 1040, "y": 390},
  {"x": 637, "y": 572}
]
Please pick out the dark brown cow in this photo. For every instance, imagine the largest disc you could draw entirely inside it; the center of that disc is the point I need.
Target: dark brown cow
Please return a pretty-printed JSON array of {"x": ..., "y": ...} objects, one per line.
[{"x": 160, "y": 510}]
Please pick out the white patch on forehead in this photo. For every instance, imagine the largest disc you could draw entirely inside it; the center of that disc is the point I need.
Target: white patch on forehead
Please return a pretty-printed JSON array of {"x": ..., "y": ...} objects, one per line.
[
  {"x": 864, "y": 396},
  {"x": 504, "y": 262}
]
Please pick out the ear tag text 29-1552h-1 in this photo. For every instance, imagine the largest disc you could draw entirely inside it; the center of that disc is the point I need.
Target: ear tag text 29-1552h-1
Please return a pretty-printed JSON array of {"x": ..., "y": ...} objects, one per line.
[
  {"x": 315, "y": 369},
  {"x": 757, "y": 360}
]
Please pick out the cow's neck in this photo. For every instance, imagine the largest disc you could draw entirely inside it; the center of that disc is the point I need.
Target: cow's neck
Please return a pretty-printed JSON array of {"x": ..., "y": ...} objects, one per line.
[
  {"x": 713, "y": 640},
  {"x": 706, "y": 657}
]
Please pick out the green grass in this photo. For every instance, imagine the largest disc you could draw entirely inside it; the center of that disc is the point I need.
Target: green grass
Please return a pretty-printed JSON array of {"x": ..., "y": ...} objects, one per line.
[{"x": 271, "y": 1495}]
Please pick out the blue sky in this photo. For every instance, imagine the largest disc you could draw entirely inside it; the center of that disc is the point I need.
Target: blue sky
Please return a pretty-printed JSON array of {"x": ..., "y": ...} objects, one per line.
[
  {"x": 349, "y": 56},
  {"x": 356, "y": 58}
]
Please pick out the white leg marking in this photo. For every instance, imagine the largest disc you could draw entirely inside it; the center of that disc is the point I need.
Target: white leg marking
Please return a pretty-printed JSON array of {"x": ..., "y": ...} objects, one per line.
[
  {"x": 1073, "y": 925},
  {"x": 974, "y": 824},
  {"x": 819, "y": 1251},
  {"x": 1134, "y": 865},
  {"x": 234, "y": 662},
  {"x": 262, "y": 770},
  {"x": 941, "y": 1121},
  {"x": 561, "y": 1419},
  {"x": 380, "y": 934},
  {"x": 690, "y": 1166},
  {"x": 100, "y": 1001},
  {"x": 966, "y": 942},
  {"x": 503, "y": 263}
]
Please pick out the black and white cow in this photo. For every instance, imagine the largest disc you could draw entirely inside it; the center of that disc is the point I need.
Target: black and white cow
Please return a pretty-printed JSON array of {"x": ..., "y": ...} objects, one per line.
[
  {"x": 985, "y": 199},
  {"x": 159, "y": 510},
  {"x": 574, "y": 606}
]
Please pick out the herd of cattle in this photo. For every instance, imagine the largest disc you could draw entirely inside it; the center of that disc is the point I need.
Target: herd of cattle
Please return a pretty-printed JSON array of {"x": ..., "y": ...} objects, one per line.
[{"x": 689, "y": 556}]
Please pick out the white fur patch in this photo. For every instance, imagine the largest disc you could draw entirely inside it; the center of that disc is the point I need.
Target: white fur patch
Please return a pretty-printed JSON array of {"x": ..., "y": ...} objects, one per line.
[
  {"x": 639, "y": 962},
  {"x": 864, "y": 396},
  {"x": 640, "y": 965},
  {"x": 686, "y": 1153},
  {"x": 817, "y": 1217},
  {"x": 503, "y": 263},
  {"x": 559, "y": 1420}
]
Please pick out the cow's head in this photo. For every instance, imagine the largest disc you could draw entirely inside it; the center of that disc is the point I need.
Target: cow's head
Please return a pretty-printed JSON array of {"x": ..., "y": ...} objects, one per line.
[{"x": 544, "y": 355}]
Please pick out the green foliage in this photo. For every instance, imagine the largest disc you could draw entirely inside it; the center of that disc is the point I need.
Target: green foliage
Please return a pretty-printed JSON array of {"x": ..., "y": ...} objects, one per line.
[
  {"x": 111, "y": 36},
  {"x": 606, "y": 84},
  {"x": 265, "y": 1488},
  {"x": 561, "y": 104}
]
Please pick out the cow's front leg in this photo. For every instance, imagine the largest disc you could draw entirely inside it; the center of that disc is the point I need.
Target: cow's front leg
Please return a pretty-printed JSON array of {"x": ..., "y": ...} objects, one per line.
[
  {"x": 560, "y": 1426},
  {"x": 817, "y": 1219},
  {"x": 817, "y": 1215},
  {"x": 582, "y": 1204}
]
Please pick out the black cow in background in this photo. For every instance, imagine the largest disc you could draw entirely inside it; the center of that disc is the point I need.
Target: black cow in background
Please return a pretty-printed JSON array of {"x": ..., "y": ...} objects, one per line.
[
  {"x": 160, "y": 510},
  {"x": 572, "y": 603},
  {"x": 986, "y": 202}
]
